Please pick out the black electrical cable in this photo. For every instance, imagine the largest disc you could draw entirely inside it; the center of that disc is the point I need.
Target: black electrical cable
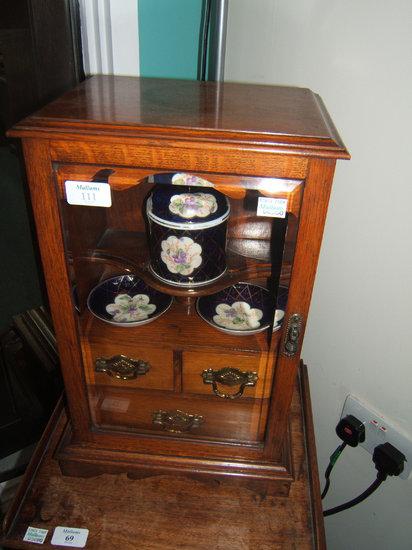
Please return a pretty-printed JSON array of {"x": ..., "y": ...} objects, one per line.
[
  {"x": 204, "y": 40},
  {"x": 380, "y": 478},
  {"x": 352, "y": 432},
  {"x": 389, "y": 461},
  {"x": 332, "y": 461}
]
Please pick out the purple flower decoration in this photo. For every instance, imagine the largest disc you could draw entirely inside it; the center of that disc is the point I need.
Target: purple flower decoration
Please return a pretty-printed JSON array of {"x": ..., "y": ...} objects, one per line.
[{"x": 182, "y": 255}]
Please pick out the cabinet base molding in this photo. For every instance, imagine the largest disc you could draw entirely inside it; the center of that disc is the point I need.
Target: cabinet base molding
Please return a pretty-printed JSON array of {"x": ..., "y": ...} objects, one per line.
[
  {"x": 265, "y": 478},
  {"x": 148, "y": 510}
]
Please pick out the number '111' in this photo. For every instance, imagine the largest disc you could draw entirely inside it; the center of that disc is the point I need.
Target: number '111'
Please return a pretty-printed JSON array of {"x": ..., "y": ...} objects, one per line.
[{"x": 88, "y": 196}]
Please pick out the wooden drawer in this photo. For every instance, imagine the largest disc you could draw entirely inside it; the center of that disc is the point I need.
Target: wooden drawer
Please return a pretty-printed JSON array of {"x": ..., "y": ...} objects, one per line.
[
  {"x": 136, "y": 410},
  {"x": 159, "y": 365},
  {"x": 196, "y": 362}
]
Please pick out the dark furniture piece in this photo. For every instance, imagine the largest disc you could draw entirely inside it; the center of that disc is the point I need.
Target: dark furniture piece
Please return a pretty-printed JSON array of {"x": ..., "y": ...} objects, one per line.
[
  {"x": 40, "y": 54},
  {"x": 40, "y": 58},
  {"x": 30, "y": 380},
  {"x": 177, "y": 395}
]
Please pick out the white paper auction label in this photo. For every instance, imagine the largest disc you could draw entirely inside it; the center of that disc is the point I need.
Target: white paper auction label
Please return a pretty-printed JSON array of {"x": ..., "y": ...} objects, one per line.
[
  {"x": 70, "y": 536},
  {"x": 115, "y": 404},
  {"x": 36, "y": 535},
  {"x": 88, "y": 193},
  {"x": 271, "y": 207}
]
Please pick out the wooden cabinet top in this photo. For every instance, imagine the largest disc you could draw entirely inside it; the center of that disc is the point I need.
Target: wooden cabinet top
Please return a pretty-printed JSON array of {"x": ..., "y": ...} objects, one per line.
[{"x": 129, "y": 107}]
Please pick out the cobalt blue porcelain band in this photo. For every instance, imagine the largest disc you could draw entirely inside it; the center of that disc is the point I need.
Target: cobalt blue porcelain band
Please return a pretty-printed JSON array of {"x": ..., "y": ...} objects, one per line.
[
  {"x": 188, "y": 284},
  {"x": 187, "y": 234},
  {"x": 185, "y": 225}
]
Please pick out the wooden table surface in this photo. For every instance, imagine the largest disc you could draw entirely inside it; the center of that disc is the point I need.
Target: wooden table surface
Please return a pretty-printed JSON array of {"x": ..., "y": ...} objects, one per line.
[{"x": 170, "y": 512}]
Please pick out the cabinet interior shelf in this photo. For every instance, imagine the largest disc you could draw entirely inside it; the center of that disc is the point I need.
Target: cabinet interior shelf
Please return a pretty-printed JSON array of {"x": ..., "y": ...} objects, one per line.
[
  {"x": 179, "y": 328},
  {"x": 127, "y": 251}
]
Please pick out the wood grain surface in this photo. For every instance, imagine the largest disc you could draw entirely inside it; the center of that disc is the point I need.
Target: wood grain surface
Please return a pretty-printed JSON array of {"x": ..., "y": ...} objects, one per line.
[
  {"x": 166, "y": 513},
  {"x": 137, "y": 127},
  {"x": 121, "y": 106}
]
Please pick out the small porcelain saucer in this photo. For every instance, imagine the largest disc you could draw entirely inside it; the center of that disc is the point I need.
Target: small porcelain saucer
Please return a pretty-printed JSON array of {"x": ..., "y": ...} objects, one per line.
[
  {"x": 127, "y": 301},
  {"x": 277, "y": 323},
  {"x": 240, "y": 309}
]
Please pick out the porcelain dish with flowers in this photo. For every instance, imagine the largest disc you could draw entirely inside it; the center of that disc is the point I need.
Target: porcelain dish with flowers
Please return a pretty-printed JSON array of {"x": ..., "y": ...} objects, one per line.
[
  {"x": 241, "y": 309},
  {"x": 127, "y": 301}
]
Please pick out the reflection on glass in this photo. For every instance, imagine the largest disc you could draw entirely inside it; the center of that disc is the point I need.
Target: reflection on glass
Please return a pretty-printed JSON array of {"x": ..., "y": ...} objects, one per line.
[{"x": 208, "y": 258}]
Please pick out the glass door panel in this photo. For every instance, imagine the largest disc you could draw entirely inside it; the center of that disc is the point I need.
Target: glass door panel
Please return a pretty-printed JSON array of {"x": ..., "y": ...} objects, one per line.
[{"x": 173, "y": 273}]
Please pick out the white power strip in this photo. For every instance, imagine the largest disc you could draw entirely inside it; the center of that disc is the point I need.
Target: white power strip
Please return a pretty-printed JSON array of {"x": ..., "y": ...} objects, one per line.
[{"x": 379, "y": 429}]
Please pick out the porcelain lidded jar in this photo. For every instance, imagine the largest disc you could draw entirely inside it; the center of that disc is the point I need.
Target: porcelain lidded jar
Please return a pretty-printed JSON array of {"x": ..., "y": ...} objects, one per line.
[{"x": 187, "y": 234}]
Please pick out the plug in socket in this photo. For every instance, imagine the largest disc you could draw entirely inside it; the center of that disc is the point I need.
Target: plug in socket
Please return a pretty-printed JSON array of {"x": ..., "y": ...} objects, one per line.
[{"x": 379, "y": 429}]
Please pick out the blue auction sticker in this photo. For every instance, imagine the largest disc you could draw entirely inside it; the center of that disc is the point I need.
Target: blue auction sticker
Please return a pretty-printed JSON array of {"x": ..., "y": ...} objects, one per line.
[{"x": 36, "y": 535}]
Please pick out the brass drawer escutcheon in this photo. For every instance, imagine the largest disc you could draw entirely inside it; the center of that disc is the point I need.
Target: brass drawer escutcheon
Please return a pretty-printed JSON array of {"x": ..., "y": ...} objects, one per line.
[
  {"x": 177, "y": 421},
  {"x": 229, "y": 376},
  {"x": 121, "y": 367},
  {"x": 292, "y": 336}
]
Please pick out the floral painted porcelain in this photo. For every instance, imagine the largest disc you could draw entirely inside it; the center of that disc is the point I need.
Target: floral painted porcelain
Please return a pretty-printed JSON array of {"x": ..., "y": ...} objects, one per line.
[
  {"x": 238, "y": 316},
  {"x": 242, "y": 309},
  {"x": 187, "y": 234},
  {"x": 192, "y": 205},
  {"x": 126, "y": 309},
  {"x": 127, "y": 301},
  {"x": 189, "y": 179},
  {"x": 181, "y": 255},
  {"x": 181, "y": 178},
  {"x": 277, "y": 323},
  {"x": 179, "y": 205}
]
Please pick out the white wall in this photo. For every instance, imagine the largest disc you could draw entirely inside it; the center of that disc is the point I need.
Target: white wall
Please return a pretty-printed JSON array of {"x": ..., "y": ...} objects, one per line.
[
  {"x": 110, "y": 36},
  {"x": 358, "y": 56}
]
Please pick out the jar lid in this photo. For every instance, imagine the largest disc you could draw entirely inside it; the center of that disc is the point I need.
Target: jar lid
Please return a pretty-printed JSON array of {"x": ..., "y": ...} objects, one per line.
[{"x": 187, "y": 207}]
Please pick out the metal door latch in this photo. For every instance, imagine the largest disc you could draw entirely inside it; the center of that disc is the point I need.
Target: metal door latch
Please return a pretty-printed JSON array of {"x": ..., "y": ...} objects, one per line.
[{"x": 293, "y": 330}]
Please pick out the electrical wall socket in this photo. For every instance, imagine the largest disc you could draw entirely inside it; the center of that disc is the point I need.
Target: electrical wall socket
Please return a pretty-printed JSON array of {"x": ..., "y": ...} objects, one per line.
[{"x": 379, "y": 429}]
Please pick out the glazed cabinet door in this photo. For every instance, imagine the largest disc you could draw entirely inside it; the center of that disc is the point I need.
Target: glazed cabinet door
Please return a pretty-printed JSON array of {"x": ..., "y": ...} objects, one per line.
[{"x": 179, "y": 284}]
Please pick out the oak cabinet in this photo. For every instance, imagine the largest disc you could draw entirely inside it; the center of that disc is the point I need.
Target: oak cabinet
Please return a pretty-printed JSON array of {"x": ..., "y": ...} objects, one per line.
[{"x": 191, "y": 370}]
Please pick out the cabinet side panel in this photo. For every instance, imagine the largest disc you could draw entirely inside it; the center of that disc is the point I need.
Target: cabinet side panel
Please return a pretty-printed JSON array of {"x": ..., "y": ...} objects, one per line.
[
  {"x": 309, "y": 239},
  {"x": 46, "y": 213}
]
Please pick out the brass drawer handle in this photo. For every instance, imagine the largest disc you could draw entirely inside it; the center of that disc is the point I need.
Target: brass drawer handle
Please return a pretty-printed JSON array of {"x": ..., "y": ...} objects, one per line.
[
  {"x": 229, "y": 376},
  {"x": 177, "y": 421},
  {"x": 121, "y": 367}
]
